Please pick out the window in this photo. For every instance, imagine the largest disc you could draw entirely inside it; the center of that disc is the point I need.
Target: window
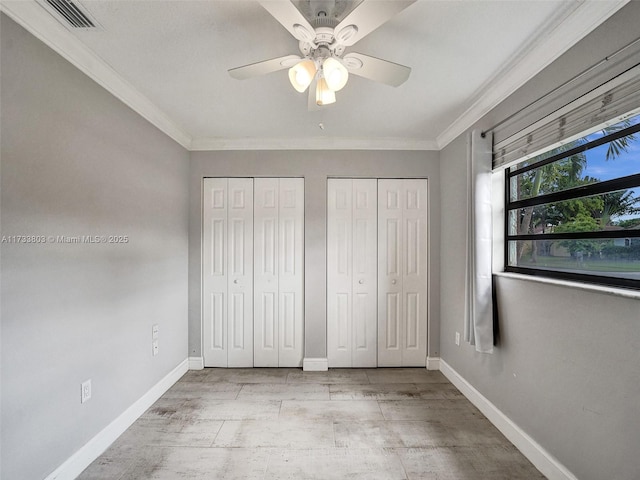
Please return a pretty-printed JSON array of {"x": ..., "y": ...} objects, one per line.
[{"x": 574, "y": 212}]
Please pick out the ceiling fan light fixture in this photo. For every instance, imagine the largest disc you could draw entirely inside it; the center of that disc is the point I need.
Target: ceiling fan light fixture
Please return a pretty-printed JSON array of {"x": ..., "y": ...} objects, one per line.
[
  {"x": 301, "y": 75},
  {"x": 324, "y": 95},
  {"x": 335, "y": 73}
]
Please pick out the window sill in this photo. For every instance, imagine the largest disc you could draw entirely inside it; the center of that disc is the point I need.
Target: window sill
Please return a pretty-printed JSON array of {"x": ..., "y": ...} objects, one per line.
[{"x": 618, "y": 292}]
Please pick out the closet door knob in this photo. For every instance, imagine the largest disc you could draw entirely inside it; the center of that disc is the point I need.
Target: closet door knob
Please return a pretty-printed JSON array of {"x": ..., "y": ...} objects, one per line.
[
  {"x": 393, "y": 282},
  {"x": 361, "y": 282}
]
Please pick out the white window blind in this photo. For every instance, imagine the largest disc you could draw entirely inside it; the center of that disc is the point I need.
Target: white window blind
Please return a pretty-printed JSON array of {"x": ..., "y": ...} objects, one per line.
[{"x": 610, "y": 102}]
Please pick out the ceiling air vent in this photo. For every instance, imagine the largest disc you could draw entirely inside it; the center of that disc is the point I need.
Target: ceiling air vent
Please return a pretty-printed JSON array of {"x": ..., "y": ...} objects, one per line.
[{"x": 72, "y": 13}]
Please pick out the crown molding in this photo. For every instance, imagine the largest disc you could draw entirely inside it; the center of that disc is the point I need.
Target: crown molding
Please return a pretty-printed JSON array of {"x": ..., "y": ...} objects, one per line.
[
  {"x": 312, "y": 143},
  {"x": 568, "y": 27},
  {"x": 36, "y": 20}
]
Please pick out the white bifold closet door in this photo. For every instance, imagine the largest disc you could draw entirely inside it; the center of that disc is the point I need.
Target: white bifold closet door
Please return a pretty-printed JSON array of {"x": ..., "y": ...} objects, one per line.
[
  {"x": 351, "y": 272},
  {"x": 278, "y": 272},
  {"x": 228, "y": 272},
  {"x": 402, "y": 273}
]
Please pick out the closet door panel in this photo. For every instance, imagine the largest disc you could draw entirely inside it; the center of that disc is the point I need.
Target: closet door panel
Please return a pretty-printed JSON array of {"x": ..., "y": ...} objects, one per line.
[
  {"x": 266, "y": 272},
  {"x": 240, "y": 277},
  {"x": 339, "y": 271},
  {"x": 214, "y": 252},
  {"x": 402, "y": 294},
  {"x": 227, "y": 272},
  {"x": 291, "y": 272},
  {"x": 365, "y": 273},
  {"x": 351, "y": 272},
  {"x": 390, "y": 272},
  {"x": 279, "y": 272},
  {"x": 415, "y": 273}
]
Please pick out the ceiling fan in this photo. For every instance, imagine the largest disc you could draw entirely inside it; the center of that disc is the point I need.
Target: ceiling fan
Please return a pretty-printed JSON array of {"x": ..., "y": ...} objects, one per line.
[{"x": 329, "y": 27}]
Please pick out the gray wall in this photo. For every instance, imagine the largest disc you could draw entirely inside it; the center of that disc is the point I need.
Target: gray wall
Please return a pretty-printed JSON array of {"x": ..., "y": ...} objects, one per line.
[
  {"x": 566, "y": 367},
  {"x": 76, "y": 161},
  {"x": 315, "y": 167}
]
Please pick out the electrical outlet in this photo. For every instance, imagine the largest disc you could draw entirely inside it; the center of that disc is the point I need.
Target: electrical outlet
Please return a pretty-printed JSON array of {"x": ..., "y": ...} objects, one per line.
[
  {"x": 85, "y": 391},
  {"x": 155, "y": 347},
  {"x": 154, "y": 332},
  {"x": 458, "y": 338}
]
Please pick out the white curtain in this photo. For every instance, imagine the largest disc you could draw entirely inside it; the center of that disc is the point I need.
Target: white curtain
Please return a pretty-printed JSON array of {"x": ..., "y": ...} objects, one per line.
[{"x": 478, "y": 329}]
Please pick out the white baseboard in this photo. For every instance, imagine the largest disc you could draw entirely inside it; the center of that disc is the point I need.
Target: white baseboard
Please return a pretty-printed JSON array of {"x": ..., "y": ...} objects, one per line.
[
  {"x": 433, "y": 363},
  {"x": 80, "y": 460},
  {"x": 541, "y": 459},
  {"x": 196, "y": 363},
  {"x": 315, "y": 365}
]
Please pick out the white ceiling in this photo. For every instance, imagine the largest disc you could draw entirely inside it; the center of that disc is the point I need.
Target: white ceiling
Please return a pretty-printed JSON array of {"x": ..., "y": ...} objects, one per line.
[{"x": 169, "y": 59}]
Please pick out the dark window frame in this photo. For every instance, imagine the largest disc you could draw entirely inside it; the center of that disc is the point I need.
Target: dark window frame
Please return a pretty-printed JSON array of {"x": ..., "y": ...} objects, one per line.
[{"x": 620, "y": 183}]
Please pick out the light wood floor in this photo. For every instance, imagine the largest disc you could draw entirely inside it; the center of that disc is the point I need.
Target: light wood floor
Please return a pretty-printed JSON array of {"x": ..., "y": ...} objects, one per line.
[{"x": 368, "y": 424}]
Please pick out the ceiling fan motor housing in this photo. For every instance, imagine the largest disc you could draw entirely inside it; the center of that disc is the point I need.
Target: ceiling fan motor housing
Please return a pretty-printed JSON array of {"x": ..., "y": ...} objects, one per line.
[{"x": 324, "y": 41}]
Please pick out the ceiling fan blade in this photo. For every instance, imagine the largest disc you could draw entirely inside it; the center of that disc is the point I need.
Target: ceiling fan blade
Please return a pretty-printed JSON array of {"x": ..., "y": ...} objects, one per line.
[
  {"x": 376, "y": 69},
  {"x": 366, "y": 17},
  {"x": 290, "y": 17},
  {"x": 262, "y": 68}
]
